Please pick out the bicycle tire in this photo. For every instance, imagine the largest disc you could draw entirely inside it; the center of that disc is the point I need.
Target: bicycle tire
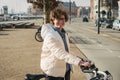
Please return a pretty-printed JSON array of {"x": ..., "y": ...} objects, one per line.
[
  {"x": 101, "y": 75},
  {"x": 38, "y": 37}
]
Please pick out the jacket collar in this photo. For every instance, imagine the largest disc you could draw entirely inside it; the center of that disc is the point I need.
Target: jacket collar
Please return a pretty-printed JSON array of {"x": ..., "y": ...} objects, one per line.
[{"x": 57, "y": 29}]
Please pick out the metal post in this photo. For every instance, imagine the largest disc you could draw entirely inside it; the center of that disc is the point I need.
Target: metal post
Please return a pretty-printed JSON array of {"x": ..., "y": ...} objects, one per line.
[
  {"x": 70, "y": 10},
  {"x": 110, "y": 9},
  {"x": 98, "y": 16}
]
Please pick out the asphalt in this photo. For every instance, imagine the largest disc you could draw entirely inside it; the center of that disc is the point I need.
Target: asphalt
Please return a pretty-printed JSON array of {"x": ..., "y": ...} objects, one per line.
[
  {"x": 90, "y": 26},
  {"x": 96, "y": 47}
]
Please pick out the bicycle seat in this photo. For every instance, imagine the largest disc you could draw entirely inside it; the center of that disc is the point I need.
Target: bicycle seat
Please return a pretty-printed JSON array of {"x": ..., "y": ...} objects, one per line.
[{"x": 34, "y": 76}]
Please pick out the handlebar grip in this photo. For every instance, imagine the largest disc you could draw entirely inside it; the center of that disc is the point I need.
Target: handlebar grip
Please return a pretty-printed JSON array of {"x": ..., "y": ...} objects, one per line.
[
  {"x": 88, "y": 71},
  {"x": 92, "y": 67},
  {"x": 84, "y": 68}
]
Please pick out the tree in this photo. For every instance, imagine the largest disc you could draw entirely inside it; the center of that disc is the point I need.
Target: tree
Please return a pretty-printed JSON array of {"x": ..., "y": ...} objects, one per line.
[{"x": 46, "y": 6}]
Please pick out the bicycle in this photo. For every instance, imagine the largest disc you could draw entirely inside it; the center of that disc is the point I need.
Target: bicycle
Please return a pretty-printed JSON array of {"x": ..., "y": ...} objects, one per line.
[
  {"x": 38, "y": 35},
  {"x": 92, "y": 73}
]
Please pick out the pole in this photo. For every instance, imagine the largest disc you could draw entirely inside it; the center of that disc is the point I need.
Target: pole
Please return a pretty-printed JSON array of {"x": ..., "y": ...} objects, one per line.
[
  {"x": 98, "y": 16},
  {"x": 110, "y": 9},
  {"x": 70, "y": 10}
]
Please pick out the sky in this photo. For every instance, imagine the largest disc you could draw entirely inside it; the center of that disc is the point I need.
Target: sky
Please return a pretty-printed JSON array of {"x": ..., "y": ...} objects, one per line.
[
  {"x": 15, "y": 5},
  {"x": 22, "y": 5},
  {"x": 80, "y": 2}
]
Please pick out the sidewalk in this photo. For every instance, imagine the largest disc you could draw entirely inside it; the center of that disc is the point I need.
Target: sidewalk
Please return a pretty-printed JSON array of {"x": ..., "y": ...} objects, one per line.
[{"x": 20, "y": 54}]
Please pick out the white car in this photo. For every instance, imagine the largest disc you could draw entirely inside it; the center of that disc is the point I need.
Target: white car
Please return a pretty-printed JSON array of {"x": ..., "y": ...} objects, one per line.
[{"x": 116, "y": 25}]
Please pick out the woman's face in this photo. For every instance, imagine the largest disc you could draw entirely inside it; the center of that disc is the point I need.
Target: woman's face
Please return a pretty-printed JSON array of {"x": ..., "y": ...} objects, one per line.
[{"x": 59, "y": 23}]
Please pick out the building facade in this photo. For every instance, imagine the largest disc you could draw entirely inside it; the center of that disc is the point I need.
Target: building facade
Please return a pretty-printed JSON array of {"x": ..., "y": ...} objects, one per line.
[
  {"x": 111, "y": 8},
  {"x": 73, "y": 7}
]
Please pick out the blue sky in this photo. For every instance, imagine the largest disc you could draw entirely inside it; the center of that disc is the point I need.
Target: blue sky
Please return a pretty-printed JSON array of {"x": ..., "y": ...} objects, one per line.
[{"x": 22, "y": 5}]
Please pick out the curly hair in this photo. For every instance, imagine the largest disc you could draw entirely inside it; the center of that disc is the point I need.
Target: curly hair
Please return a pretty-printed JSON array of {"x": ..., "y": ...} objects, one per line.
[{"x": 56, "y": 14}]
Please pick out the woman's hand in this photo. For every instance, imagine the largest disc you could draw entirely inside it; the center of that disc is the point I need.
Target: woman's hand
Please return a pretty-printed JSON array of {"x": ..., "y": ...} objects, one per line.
[{"x": 85, "y": 63}]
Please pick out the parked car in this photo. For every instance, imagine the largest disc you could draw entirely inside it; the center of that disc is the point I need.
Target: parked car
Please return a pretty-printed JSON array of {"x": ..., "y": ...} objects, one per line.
[
  {"x": 102, "y": 21},
  {"x": 116, "y": 25},
  {"x": 109, "y": 23}
]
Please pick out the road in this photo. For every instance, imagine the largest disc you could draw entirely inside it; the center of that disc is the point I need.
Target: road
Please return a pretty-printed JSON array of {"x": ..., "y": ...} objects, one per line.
[{"x": 103, "y": 49}]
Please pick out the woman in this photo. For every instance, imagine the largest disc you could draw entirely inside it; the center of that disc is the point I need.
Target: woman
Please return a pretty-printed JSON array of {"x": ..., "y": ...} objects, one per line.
[{"x": 55, "y": 56}]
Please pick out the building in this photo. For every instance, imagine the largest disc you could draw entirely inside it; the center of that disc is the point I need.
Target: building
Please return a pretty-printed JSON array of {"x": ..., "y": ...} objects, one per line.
[
  {"x": 83, "y": 11},
  {"x": 110, "y": 7},
  {"x": 74, "y": 8},
  {"x": 4, "y": 13},
  {"x": 5, "y": 9}
]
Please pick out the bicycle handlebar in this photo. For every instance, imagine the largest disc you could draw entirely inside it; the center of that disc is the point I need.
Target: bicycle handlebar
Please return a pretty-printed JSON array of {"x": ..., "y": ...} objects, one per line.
[{"x": 97, "y": 75}]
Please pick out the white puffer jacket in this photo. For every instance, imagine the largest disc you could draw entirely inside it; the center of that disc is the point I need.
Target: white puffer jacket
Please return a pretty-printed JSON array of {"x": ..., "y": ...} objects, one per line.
[{"x": 54, "y": 56}]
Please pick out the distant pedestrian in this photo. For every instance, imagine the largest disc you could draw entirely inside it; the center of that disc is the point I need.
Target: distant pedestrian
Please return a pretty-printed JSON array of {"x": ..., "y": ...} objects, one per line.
[{"x": 56, "y": 59}]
